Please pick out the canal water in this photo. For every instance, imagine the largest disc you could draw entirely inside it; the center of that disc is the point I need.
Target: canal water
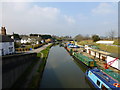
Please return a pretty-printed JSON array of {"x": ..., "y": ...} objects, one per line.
[{"x": 62, "y": 71}]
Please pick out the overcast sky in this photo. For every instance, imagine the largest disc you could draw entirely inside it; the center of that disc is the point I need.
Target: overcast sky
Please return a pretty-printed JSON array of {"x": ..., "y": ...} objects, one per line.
[{"x": 60, "y": 18}]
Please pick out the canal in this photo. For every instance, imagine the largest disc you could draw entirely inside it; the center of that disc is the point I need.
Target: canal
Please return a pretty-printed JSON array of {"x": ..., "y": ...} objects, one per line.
[{"x": 61, "y": 71}]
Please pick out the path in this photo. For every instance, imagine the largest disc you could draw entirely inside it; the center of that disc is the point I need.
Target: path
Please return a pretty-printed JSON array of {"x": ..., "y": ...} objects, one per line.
[{"x": 38, "y": 49}]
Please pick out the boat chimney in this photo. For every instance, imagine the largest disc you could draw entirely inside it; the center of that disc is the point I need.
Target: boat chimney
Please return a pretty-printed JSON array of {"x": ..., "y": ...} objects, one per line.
[{"x": 3, "y": 30}]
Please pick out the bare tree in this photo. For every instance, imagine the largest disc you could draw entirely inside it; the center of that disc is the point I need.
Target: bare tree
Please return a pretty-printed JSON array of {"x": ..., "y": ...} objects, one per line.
[
  {"x": 79, "y": 37},
  {"x": 111, "y": 34}
]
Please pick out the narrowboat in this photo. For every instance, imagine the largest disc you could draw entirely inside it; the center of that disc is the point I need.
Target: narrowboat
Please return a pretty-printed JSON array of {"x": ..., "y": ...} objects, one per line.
[
  {"x": 84, "y": 59},
  {"x": 101, "y": 80}
]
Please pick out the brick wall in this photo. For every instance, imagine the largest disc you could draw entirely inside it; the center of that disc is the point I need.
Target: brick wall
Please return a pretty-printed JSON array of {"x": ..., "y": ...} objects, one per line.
[{"x": 13, "y": 67}]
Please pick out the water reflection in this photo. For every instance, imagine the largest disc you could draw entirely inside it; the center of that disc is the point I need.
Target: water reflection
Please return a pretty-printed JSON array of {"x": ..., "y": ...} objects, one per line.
[{"x": 62, "y": 71}]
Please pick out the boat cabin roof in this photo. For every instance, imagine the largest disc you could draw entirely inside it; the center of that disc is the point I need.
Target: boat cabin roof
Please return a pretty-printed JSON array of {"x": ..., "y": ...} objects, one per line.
[
  {"x": 104, "y": 76},
  {"x": 101, "y": 52}
]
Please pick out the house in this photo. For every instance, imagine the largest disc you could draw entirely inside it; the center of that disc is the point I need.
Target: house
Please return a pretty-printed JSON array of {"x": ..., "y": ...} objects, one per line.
[
  {"x": 6, "y": 43},
  {"x": 25, "y": 40},
  {"x": 49, "y": 40},
  {"x": 31, "y": 39}
]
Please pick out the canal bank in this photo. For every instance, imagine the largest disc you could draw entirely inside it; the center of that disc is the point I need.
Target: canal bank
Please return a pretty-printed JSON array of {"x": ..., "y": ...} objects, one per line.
[
  {"x": 39, "y": 68},
  {"x": 61, "y": 71}
]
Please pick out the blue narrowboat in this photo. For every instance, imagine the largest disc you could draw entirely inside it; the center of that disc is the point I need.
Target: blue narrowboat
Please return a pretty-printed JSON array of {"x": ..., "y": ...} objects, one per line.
[{"x": 101, "y": 80}]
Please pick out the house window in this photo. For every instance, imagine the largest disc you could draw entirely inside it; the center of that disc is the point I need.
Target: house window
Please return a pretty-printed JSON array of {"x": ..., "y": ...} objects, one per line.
[
  {"x": 10, "y": 49},
  {"x": 98, "y": 83},
  {"x": 103, "y": 87},
  {"x": 10, "y": 43},
  {"x": 2, "y": 52}
]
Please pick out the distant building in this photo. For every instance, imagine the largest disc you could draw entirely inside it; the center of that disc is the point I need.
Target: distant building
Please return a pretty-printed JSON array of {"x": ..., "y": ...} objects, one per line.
[
  {"x": 6, "y": 43},
  {"x": 31, "y": 39},
  {"x": 42, "y": 41},
  {"x": 25, "y": 40},
  {"x": 3, "y": 30},
  {"x": 48, "y": 40},
  {"x": 105, "y": 42},
  {"x": 16, "y": 39}
]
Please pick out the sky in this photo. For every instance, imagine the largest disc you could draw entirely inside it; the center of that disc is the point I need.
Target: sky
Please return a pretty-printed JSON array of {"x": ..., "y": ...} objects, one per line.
[{"x": 60, "y": 18}]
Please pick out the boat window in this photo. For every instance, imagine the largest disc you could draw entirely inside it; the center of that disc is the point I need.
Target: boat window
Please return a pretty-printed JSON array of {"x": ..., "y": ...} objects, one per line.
[
  {"x": 103, "y": 87},
  {"x": 98, "y": 83}
]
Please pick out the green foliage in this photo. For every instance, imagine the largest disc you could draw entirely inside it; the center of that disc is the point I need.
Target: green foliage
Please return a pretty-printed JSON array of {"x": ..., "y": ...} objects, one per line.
[
  {"x": 28, "y": 43},
  {"x": 16, "y": 36},
  {"x": 42, "y": 36},
  {"x": 95, "y": 38},
  {"x": 27, "y": 47},
  {"x": 38, "y": 54},
  {"x": 17, "y": 44},
  {"x": 117, "y": 42},
  {"x": 46, "y": 36}
]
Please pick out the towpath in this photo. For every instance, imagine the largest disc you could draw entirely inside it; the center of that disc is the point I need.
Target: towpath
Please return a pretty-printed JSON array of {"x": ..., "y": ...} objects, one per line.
[{"x": 38, "y": 49}]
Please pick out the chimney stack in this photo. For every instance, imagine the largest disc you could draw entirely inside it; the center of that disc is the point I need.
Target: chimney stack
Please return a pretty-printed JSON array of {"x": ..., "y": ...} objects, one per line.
[{"x": 3, "y": 30}]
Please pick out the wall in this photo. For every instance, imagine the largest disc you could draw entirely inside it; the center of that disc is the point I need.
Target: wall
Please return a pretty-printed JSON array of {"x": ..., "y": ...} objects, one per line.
[
  {"x": 97, "y": 55},
  {"x": 92, "y": 53},
  {"x": 13, "y": 67}
]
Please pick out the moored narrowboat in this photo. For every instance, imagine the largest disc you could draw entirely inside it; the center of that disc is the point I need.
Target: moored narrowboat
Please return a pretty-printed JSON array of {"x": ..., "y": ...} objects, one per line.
[
  {"x": 101, "y": 80},
  {"x": 84, "y": 59}
]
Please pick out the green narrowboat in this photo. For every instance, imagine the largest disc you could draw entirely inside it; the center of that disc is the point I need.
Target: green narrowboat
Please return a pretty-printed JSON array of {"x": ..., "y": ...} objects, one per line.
[{"x": 87, "y": 61}]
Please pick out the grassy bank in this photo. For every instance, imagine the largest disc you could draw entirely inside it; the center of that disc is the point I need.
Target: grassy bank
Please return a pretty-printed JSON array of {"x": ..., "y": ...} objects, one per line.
[
  {"x": 38, "y": 75},
  {"x": 108, "y": 48}
]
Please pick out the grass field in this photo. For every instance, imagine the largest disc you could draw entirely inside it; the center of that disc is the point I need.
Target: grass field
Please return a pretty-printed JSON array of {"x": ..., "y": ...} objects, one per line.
[
  {"x": 117, "y": 42},
  {"x": 108, "y": 48}
]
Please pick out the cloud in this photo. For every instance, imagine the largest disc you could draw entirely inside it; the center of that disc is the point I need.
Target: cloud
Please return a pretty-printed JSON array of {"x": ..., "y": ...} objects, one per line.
[
  {"x": 82, "y": 16},
  {"x": 103, "y": 9},
  {"x": 0, "y": 13},
  {"x": 69, "y": 19},
  {"x": 25, "y": 18}
]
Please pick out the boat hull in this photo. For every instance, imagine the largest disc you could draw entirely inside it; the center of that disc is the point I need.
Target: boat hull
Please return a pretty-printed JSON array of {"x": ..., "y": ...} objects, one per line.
[
  {"x": 91, "y": 83},
  {"x": 100, "y": 80}
]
